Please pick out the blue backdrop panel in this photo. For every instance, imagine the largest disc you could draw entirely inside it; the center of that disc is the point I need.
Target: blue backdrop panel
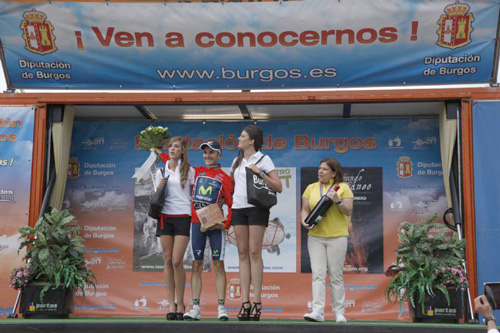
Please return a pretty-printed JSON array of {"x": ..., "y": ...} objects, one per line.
[{"x": 486, "y": 121}]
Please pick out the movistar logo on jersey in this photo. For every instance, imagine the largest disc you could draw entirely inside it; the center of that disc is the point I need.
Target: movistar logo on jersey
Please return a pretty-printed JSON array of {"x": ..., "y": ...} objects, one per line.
[{"x": 204, "y": 191}]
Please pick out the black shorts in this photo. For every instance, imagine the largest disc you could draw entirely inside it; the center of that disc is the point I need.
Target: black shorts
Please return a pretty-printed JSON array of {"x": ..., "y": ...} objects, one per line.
[
  {"x": 250, "y": 216},
  {"x": 173, "y": 225}
]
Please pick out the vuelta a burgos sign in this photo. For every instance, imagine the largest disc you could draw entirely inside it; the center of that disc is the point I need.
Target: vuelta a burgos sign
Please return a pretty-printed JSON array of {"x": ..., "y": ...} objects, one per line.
[{"x": 296, "y": 44}]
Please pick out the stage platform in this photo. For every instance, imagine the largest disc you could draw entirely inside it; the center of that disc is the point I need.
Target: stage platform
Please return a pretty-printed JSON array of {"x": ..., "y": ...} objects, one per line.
[{"x": 153, "y": 325}]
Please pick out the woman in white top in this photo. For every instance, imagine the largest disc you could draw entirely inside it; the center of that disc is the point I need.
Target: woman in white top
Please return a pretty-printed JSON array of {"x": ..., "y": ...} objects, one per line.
[
  {"x": 175, "y": 222},
  {"x": 249, "y": 221}
]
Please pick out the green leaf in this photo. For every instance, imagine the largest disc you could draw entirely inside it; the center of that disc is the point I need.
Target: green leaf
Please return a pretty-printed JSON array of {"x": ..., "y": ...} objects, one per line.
[
  {"x": 67, "y": 219},
  {"x": 43, "y": 255},
  {"x": 57, "y": 279}
]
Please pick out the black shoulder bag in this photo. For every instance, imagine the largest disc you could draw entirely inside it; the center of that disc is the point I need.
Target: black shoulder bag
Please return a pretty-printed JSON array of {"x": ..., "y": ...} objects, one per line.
[
  {"x": 157, "y": 200},
  {"x": 258, "y": 193}
]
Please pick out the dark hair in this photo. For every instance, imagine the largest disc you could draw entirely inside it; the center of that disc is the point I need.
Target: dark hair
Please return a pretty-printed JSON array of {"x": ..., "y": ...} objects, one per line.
[
  {"x": 256, "y": 134},
  {"x": 334, "y": 165},
  {"x": 184, "y": 167}
]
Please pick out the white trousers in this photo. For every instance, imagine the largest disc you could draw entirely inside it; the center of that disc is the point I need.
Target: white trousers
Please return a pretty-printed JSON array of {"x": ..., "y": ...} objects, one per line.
[{"x": 327, "y": 254}]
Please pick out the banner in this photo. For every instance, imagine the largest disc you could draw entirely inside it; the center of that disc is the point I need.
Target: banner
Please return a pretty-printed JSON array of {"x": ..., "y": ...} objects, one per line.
[
  {"x": 392, "y": 166},
  {"x": 16, "y": 150},
  {"x": 251, "y": 45}
]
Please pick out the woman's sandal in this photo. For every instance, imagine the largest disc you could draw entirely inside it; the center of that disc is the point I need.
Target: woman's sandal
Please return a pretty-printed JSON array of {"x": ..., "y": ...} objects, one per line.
[
  {"x": 179, "y": 315},
  {"x": 244, "y": 314},
  {"x": 255, "y": 313},
  {"x": 172, "y": 315}
]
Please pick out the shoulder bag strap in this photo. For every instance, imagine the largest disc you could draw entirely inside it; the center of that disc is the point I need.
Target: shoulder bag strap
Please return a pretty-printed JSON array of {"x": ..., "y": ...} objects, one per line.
[{"x": 260, "y": 159}]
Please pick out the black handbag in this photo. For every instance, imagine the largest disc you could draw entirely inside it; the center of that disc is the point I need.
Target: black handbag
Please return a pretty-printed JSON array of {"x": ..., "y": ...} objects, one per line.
[
  {"x": 258, "y": 193},
  {"x": 157, "y": 200}
]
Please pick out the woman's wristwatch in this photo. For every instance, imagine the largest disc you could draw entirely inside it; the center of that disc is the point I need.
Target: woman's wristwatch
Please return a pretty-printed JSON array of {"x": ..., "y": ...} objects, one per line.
[
  {"x": 262, "y": 174},
  {"x": 339, "y": 203},
  {"x": 488, "y": 319}
]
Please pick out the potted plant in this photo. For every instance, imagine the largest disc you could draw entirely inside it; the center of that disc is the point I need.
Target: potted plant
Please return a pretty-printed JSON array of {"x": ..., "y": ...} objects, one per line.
[
  {"x": 56, "y": 266},
  {"x": 428, "y": 272}
]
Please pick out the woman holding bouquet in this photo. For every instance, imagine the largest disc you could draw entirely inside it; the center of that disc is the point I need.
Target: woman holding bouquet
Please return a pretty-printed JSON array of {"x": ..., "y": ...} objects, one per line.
[
  {"x": 249, "y": 221},
  {"x": 175, "y": 221},
  {"x": 327, "y": 241}
]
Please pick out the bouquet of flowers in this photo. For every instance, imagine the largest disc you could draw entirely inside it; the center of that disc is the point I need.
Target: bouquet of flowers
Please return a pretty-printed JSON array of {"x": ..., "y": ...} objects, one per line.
[
  {"x": 20, "y": 278},
  {"x": 153, "y": 137},
  {"x": 453, "y": 277}
]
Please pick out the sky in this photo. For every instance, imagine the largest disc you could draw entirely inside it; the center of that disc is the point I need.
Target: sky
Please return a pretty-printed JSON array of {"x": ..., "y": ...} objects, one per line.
[{"x": 3, "y": 85}]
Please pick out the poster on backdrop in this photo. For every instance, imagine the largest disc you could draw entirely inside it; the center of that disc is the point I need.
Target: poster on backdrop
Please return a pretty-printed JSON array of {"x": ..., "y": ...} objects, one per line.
[
  {"x": 364, "y": 250},
  {"x": 393, "y": 167},
  {"x": 16, "y": 152},
  {"x": 252, "y": 45}
]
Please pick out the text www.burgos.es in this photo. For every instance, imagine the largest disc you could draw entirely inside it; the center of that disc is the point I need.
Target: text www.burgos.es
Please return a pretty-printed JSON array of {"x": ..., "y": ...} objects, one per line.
[{"x": 263, "y": 75}]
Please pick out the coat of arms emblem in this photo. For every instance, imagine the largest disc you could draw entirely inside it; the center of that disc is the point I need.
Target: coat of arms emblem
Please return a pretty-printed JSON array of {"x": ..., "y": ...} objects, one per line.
[
  {"x": 234, "y": 290},
  {"x": 73, "y": 168},
  {"x": 455, "y": 26},
  {"x": 405, "y": 167},
  {"x": 38, "y": 33}
]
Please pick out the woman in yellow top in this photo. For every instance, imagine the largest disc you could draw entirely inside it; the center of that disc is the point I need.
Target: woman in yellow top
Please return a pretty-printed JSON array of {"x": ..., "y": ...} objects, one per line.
[{"x": 327, "y": 240}]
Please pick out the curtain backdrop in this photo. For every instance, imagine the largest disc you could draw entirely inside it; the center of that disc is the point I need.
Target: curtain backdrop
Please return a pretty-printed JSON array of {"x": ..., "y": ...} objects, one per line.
[
  {"x": 448, "y": 137},
  {"x": 61, "y": 139}
]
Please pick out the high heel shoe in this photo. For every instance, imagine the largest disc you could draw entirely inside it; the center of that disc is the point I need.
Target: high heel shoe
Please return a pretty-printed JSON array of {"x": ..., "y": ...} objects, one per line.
[
  {"x": 179, "y": 315},
  {"x": 255, "y": 313},
  {"x": 244, "y": 314},
  {"x": 172, "y": 315}
]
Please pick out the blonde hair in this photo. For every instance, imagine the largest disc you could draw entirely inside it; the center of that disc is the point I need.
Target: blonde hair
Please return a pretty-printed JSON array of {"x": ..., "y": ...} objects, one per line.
[{"x": 184, "y": 167}]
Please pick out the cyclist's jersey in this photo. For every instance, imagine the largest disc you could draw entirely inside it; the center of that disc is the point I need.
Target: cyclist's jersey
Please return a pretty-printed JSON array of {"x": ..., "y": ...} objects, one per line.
[{"x": 210, "y": 185}]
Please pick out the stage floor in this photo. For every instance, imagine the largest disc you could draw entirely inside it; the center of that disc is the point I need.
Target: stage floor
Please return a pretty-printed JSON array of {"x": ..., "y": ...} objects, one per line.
[{"x": 152, "y": 325}]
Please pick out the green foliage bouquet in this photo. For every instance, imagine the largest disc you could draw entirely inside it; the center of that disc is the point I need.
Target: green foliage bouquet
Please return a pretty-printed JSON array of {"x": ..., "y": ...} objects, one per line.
[
  {"x": 153, "y": 137},
  {"x": 425, "y": 263},
  {"x": 56, "y": 252}
]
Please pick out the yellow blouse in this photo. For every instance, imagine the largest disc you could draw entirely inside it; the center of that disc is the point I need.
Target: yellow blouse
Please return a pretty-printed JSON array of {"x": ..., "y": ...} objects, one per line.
[{"x": 334, "y": 223}]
